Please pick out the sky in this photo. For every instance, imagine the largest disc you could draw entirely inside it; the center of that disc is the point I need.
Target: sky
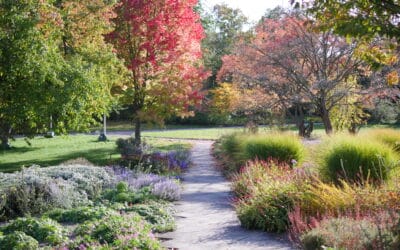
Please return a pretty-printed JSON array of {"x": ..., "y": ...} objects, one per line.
[{"x": 253, "y": 9}]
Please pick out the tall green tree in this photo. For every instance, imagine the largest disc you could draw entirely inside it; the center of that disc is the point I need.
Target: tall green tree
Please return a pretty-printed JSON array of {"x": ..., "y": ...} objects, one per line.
[
  {"x": 357, "y": 18},
  {"x": 222, "y": 26},
  {"x": 27, "y": 65},
  {"x": 92, "y": 68},
  {"x": 41, "y": 75}
]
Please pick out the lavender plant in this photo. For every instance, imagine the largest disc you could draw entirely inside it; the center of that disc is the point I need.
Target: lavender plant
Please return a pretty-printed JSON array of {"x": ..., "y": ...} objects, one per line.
[
  {"x": 178, "y": 160},
  {"x": 167, "y": 190},
  {"x": 142, "y": 158},
  {"x": 145, "y": 180},
  {"x": 162, "y": 187}
]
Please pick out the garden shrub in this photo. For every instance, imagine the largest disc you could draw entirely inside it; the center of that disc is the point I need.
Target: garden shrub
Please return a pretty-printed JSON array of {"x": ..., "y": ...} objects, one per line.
[
  {"x": 237, "y": 148},
  {"x": 129, "y": 147},
  {"x": 167, "y": 190},
  {"x": 91, "y": 179},
  {"x": 356, "y": 160},
  {"x": 44, "y": 230},
  {"x": 79, "y": 214},
  {"x": 35, "y": 190},
  {"x": 266, "y": 211},
  {"x": 121, "y": 231},
  {"x": 266, "y": 194},
  {"x": 347, "y": 233},
  {"x": 126, "y": 195},
  {"x": 227, "y": 150},
  {"x": 145, "y": 180},
  {"x": 178, "y": 161},
  {"x": 163, "y": 187},
  {"x": 319, "y": 198},
  {"x": 142, "y": 158},
  {"x": 29, "y": 194},
  {"x": 230, "y": 144},
  {"x": 158, "y": 214},
  {"x": 383, "y": 219},
  {"x": 18, "y": 240},
  {"x": 280, "y": 147}
]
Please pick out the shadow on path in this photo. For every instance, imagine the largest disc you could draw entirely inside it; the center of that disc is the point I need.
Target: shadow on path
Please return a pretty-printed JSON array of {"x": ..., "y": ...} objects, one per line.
[{"x": 206, "y": 218}]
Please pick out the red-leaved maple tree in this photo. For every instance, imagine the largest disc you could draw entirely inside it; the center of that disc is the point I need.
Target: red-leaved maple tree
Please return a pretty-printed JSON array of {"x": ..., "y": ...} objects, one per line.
[
  {"x": 159, "y": 40},
  {"x": 300, "y": 66}
]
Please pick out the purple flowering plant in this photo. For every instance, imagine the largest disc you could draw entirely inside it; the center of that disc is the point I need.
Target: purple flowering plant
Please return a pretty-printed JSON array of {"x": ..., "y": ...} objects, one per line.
[
  {"x": 142, "y": 158},
  {"x": 163, "y": 187}
]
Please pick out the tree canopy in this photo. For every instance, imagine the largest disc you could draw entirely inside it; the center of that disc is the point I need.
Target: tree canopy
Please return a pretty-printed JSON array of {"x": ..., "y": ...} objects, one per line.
[
  {"x": 296, "y": 66},
  {"x": 222, "y": 26},
  {"x": 159, "y": 42},
  {"x": 358, "y": 18},
  {"x": 50, "y": 67}
]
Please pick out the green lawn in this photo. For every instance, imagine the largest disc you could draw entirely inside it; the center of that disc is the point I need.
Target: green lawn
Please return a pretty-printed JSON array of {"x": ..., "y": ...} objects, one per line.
[
  {"x": 192, "y": 133},
  {"x": 213, "y": 133},
  {"x": 48, "y": 152},
  {"x": 129, "y": 126}
]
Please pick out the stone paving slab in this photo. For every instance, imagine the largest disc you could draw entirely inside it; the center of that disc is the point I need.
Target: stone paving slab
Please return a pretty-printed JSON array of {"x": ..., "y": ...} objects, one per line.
[{"x": 205, "y": 216}]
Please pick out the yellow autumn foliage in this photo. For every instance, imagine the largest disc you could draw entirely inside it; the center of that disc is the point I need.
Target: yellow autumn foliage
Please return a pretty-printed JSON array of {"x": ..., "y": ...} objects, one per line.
[{"x": 225, "y": 97}]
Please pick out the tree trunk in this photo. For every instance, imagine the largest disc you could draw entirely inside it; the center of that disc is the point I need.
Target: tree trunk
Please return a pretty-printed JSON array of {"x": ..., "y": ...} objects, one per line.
[
  {"x": 327, "y": 121},
  {"x": 5, "y": 144},
  {"x": 309, "y": 129},
  {"x": 354, "y": 128},
  {"x": 137, "y": 131},
  {"x": 301, "y": 127},
  {"x": 300, "y": 123}
]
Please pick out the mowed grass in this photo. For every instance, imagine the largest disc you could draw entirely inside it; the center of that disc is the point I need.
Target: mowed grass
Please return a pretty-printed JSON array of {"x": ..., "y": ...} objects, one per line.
[
  {"x": 53, "y": 151},
  {"x": 48, "y": 152},
  {"x": 195, "y": 131},
  {"x": 213, "y": 133},
  {"x": 129, "y": 126},
  {"x": 192, "y": 133}
]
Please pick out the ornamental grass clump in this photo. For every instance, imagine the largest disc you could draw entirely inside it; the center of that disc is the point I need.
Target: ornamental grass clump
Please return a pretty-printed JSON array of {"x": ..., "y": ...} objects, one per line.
[
  {"x": 231, "y": 144},
  {"x": 390, "y": 137},
  {"x": 282, "y": 148},
  {"x": 325, "y": 201},
  {"x": 356, "y": 160},
  {"x": 339, "y": 233},
  {"x": 237, "y": 148},
  {"x": 320, "y": 198},
  {"x": 348, "y": 233},
  {"x": 266, "y": 193}
]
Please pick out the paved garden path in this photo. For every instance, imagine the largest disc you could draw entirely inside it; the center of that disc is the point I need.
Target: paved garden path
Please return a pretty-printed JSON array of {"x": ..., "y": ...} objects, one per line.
[{"x": 205, "y": 216}]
